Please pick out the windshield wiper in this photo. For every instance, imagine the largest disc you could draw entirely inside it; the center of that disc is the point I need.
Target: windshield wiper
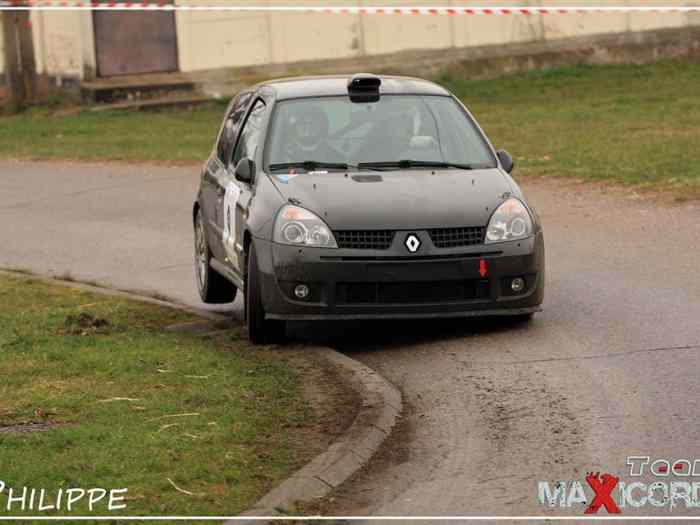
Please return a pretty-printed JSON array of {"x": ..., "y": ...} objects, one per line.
[
  {"x": 407, "y": 163},
  {"x": 313, "y": 165},
  {"x": 309, "y": 165}
]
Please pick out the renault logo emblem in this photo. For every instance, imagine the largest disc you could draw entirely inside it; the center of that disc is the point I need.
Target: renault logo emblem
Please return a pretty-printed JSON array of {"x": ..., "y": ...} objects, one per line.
[{"x": 412, "y": 242}]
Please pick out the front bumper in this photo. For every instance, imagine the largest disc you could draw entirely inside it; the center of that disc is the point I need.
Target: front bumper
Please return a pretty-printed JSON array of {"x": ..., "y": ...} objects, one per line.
[{"x": 385, "y": 284}]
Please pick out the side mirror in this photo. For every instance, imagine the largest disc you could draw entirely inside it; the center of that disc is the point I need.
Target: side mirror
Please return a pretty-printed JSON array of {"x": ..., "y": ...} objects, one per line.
[
  {"x": 244, "y": 170},
  {"x": 506, "y": 160}
]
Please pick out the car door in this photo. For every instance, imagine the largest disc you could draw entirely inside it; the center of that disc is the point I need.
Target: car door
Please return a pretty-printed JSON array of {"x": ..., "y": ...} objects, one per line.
[
  {"x": 215, "y": 169},
  {"x": 237, "y": 195}
]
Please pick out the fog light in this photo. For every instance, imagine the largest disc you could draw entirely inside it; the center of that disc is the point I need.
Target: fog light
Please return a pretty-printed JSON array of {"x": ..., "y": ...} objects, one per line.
[
  {"x": 517, "y": 284},
  {"x": 301, "y": 291}
]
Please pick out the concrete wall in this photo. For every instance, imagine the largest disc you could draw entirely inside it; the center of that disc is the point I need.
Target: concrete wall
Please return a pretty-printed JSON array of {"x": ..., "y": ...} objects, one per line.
[
  {"x": 212, "y": 40},
  {"x": 64, "y": 41},
  {"x": 208, "y": 40},
  {"x": 58, "y": 43}
]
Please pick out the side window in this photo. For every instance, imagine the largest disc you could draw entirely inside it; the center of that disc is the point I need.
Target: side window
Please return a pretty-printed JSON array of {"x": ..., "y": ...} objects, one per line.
[
  {"x": 249, "y": 139},
  {"x": 231, "y": 125}
]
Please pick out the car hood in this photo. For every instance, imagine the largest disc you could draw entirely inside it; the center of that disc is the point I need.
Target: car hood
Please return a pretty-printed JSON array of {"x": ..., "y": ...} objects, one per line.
[{"x": 411, "y": 199}]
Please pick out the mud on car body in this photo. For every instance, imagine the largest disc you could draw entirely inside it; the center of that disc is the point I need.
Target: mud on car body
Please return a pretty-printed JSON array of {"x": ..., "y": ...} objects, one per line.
[{"x": 332, "y": 198}]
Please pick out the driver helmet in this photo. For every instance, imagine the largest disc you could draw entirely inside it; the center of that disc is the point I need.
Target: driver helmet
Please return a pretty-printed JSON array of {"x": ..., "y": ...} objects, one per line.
[{"x": 309, "y": 127}]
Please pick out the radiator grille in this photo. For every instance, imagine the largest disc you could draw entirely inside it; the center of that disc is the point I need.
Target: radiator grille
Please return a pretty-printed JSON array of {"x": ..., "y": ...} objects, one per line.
[
  {"x": 454, "y": 237},
  {"x": 382, "y": 239},
  {"x": 364, "y": 239}
]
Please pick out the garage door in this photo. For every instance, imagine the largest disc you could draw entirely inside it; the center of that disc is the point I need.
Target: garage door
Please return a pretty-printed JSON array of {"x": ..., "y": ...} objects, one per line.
[{"x": 130, "y": 43}]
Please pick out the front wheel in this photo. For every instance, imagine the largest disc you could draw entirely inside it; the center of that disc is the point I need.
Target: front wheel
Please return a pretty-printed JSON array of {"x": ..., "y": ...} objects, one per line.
[
  {"x": 260, "y": 330},
  {"x": 212, "y": 287}
]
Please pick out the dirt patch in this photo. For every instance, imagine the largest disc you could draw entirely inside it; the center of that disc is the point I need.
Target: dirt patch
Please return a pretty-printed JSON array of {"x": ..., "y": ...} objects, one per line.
[
  {"x": 26, "y": 428},
  {"x": 203, "y": 327},
  {"x": 85, "y": 324},
  {"x": 333, "y": 399}
]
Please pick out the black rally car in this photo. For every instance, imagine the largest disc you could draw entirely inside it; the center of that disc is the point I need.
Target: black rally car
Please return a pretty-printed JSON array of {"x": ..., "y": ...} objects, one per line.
[{"x": 361, "y": 198}]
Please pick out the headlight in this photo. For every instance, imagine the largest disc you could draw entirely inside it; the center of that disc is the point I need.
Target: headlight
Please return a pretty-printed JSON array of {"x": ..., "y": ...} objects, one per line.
[
  {"x": 510, "y": 221},
  {"x": 300, "y": 227}
]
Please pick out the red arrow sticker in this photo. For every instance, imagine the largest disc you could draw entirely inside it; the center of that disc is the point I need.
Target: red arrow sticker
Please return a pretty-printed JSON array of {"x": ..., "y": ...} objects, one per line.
[{"x": 482, "y": 268}]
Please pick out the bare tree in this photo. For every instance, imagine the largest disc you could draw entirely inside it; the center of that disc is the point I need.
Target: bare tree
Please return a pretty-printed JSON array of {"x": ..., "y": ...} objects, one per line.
[{"x": 20, "y": 66}]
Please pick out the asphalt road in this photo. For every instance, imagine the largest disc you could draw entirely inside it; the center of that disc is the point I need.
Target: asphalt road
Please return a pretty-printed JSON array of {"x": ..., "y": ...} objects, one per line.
[
  {"x": 126, "y": 226},
  {"x": 608, "y": 370}
]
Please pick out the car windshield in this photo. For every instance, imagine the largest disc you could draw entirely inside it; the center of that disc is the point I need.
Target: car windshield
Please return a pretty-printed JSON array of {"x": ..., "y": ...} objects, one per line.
[{"x": 398, "y": 131}]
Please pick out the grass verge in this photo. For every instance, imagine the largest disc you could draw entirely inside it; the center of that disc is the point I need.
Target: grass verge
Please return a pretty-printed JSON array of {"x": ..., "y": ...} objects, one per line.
[
  {"x": 189, "y": 424},
  {"x": 632, "y": 125},
  {"x": 178, "y": 135}
]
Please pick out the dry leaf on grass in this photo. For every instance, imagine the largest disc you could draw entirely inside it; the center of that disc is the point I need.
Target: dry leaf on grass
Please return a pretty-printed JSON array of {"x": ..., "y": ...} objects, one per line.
[
  {"x": 183, "y": 491},
  {"x": 167, "y": 416}
]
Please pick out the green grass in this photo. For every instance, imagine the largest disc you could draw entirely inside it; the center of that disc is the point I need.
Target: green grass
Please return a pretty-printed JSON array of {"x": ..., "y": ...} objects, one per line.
[
  {"x": 56, "y": 371},
  {"x": 635, "y": 125},
  {"x": 166, "y": 136}
]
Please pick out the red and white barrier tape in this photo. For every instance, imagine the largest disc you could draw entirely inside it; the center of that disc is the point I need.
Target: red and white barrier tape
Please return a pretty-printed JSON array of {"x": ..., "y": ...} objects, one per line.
[{"x": 78, "y": 5}]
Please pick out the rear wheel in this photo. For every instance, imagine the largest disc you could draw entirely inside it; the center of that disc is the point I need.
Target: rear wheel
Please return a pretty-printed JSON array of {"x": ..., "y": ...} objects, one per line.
[
  {"x": 212, "y": 287},
  {"x": 260, "y": 330}
]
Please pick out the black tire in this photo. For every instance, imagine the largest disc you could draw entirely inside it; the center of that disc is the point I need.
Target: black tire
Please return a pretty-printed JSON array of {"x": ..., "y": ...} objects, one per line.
[
  {"x": 260, "y": 330},
  {"x": 212, "y": 287}
]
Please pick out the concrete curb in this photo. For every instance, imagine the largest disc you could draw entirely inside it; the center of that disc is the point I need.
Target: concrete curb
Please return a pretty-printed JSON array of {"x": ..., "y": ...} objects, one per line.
[
  {"x": 381, "y": 407},
  {"x": 213, "y": 316}
]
